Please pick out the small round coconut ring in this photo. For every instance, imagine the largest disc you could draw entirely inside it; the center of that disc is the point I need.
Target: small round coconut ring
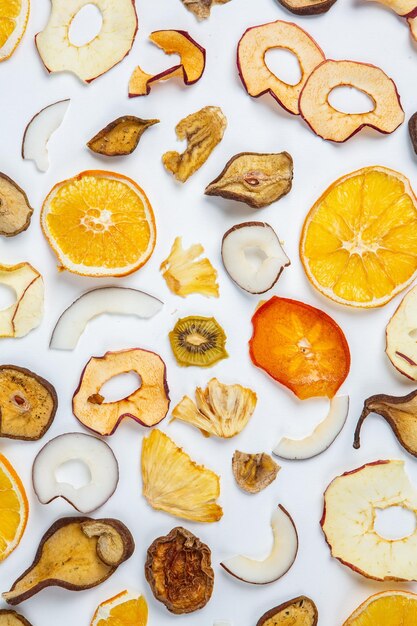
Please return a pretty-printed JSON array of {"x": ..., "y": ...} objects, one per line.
[{"x": 109, "y": 47}]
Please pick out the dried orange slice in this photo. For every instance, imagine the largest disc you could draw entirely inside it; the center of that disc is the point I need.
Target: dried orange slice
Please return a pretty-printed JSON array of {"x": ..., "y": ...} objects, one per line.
[
  {"x": 389, "y": 608},
  {"x": 14, "y": 508},
  {"x": 14, "y": 15},
  {"x": 99, "y": 224},
  {"x": 125, "y": 609},
  {"x": 301, "y": 347},
  {"x": 359, "y": 241}
]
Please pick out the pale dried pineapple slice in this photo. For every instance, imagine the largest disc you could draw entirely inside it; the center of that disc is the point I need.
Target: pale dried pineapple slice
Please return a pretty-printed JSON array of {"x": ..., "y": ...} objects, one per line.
[
  {"x": 174, "y": 483},
  {"x": 185, "y": 273},
  {"x": 220, "y": 410}
]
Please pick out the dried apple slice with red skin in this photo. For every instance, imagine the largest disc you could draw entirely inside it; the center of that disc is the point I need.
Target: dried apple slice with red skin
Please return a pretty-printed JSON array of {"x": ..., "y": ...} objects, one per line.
[
  {"x": 26, "y": 312},
  {"x": 253, "y": 71},
  {"x": 307, "y": 7},
  {"x": 148, "y": 405},
  {"x": 334, "y": 125},
  {"x": 404, "y": 8}
]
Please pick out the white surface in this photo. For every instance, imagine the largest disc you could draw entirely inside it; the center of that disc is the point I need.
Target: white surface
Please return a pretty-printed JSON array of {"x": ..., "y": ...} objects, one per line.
[{"x": 362, "y": 31}]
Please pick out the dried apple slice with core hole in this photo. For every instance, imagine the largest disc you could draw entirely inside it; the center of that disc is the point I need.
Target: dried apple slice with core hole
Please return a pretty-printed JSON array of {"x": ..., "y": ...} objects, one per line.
[
  {"x": 26, "y": 312},
  {"x": 401, "y": 335},
  {"x": 333, "y": 125},
  {"x": 39, "y": 131},
  {"x": 258, "y": 79}
]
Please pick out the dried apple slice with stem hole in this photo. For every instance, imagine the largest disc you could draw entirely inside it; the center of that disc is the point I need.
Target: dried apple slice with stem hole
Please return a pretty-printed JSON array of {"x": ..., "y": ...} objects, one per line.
[{"x": 26, "y": 312}]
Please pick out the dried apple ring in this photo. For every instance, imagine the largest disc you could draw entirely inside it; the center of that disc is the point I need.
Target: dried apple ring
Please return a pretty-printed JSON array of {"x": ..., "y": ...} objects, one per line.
[
  {"x": 109, "y": 47},
  {"x": 329, "y": 123},
  {"x": 258, "y": 79},
  {"x": 26, "y": 312}
]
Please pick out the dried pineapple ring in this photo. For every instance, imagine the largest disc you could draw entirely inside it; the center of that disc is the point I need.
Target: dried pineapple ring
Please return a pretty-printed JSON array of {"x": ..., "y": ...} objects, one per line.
[
  {"x": 109, "y": 47},
  {"x": 26, "y": 312}
]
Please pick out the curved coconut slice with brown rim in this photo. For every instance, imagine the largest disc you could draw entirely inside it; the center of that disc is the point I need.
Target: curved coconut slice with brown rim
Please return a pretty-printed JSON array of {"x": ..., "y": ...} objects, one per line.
[
  {"x": 334, "y": 125},
  {"x": 307, "y": 7},
  {"x": 38, "y": 132},
  {"x": 26, "y": 312},
  {"x": 15, "y": 210}
]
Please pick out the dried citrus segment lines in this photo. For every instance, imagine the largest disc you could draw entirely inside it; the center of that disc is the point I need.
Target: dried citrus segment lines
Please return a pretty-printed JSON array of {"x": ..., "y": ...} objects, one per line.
[
  {"x": 125, "y": 609},
  {"x": 389, "y": 608},
  {"x": 13, "y": 508},
  {"x": 359, "y": 240},
  {"x": 14, "y": 15}
]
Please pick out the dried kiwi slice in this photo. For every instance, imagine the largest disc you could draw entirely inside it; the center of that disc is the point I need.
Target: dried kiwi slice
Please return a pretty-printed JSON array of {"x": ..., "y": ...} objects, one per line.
[{"x": 198, "y": 341}]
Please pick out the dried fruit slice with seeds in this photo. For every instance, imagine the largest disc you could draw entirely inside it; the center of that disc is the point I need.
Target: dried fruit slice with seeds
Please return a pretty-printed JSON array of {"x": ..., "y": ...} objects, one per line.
[
  {"x": 14, "y": 16},
  {"x": 14, "y": 508},
  {"x": 388, "y": 608},
  {"x": 198, "y": 341},
  {"x": 125, "y": 609},
  {"x": 185, "y": 273},
  {"x": 15, "y": 210},
  {"x": 121, "y": 137},
  {"x": 254, "y": 472},
  {"x": 296, "y": 612}
]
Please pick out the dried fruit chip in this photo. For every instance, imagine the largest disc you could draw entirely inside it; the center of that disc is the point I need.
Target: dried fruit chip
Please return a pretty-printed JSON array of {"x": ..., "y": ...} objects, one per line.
[
  {"x": 253, "y": 178},
  {"x": 28, "y": 404},
  {"x": 404, "y": 8},
  {"x": 201, "y": 8},
  {"x": 186, "y": 273},
  {"x": 307, "y": 7},
  {"x": 388, "y": 608},
  {"x": 300, "y": 346},
  {"x": 297, "y": 612},
  {"x": 15, "y": 210},
  {"x": 39, "y": 131},
  {"x": 13, "y": 22},
  {"x": 121, "y": 136},
  {"x": 26, "y": 312},
  {"x": 14, "y": 508},
  {"x": 254, "y": 472},
  {"x": 401, "y": 347},
  {"x": 412, "y": 22},
  {"x": 11, "y": 618},
  {"x": 198, "y": 341},
  {"x": 125, "y": 609},
  {"x": 412, "y": 129},
  {"x": 188, "y": 490},
  {"x": 178, "y": 570},
  {"x": 219, "y": 410},
  {"x": 202, "y": 130}
]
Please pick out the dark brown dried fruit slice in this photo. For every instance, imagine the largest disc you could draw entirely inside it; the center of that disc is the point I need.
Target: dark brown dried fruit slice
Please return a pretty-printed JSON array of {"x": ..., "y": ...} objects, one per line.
[
  {"x": 11, "y": 618},
  {"x": 28, "y": 404},
  {"x": 76, "y": 553},
  {"x": 15, "y": 210},
  {"x": 297, "y": 612},
  {"x": 178, "y": 570},
  {"x": 307, "y": 7},
  {"x": 254, "y": 472},
  {"x": 412, "y": 129},
  {"x": 201, "y": 8},
  {"x": 253, "y": 178},
  {"x": 120, "y": 137}
]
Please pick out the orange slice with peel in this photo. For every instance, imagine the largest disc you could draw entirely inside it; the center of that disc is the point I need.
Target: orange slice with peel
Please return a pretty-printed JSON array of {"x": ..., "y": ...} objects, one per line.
[
  {"x": 389, "y": 608},
  {"x": 14, "y": 508},
  {"x": 359, "y": 241},
  {"x": 125, "y": 609},
  {"x": 99, "y": 224},
  {"x": 14, "y": 15},
  {"x": 299, "y": 346}
]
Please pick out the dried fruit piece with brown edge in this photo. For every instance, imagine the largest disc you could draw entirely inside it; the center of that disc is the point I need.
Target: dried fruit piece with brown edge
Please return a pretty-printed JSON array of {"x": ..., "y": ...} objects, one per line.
[
  {"x": 254, "y": 178},
  {"x": 254, "y": 472},
  {"x": 299, "y": 611},
  {"x": 147, "y": 405},
  {"x": 26, "y": 312},
  {"x": 188, "y": 490},
  {"x": 178, "y": 570},
  {"x": 15, "y": 210},
  {"x": 412, "y": 22},
  {"x": 198, "y": 341},
  {"x": 219, "y": 410},
  {"x": 185, "y": 273},
  {"x": 307, "y": 7},
  {"x": 412, "y": 129},
  {"x": 401, "y": 414},
  {"x": 202, "y": 130},
  {"x": 201, "y": 8},
  {"x": 11, "y": 618},
  {"x": 28, "y": 404},
  {"x": 120, "y": 137},
  {"x": 76, "y": 553}
]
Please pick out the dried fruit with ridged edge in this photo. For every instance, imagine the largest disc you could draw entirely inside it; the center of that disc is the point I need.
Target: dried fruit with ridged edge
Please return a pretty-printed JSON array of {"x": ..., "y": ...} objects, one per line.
[
  {"x": 178, "y": 570},
  {"x": 299, "y": 611},
  {"x": 254, "y": 472},
  {"x": 201, "y": 8},
  {"x": 126, "y": 609},
  {"x": 121, "y": 137},
  {"x": 14, "y": 508},
  {"x": 307, "y": 7},
  {"x": 15, "y": 210},
  {"x": 11, "y": 618},
  {"x": 388, "y": 608},
  {"x": 199, "y": 341},
  {"x": 185, "y": 273}
]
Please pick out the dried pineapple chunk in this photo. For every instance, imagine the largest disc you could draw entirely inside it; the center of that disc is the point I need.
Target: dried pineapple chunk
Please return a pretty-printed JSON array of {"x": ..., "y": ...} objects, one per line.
[
  {"x": 174, "y": 483},
  {"x": 220, "y": 410},
  {"x": 185, "y": 274}
]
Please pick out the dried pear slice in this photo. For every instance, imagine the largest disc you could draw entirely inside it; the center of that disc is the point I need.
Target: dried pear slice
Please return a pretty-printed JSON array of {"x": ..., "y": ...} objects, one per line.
[
  {"x": 299, "y": 611},
  {"x": 11, "y": 618},
  {"x": 220, "y": 410},
  {"x": 307, "y": 7},
  {"x": 15, "y": 210},
  {"x": 76, "y": 553},
  {"x": 121, "y": 137},
  {"x": 188, "y": 490},
  {"x": 185, "y": 273},
  {"x": 254, "y": 472},
  {"x": 28, "y": 404},
  {"x": 26, "y": 312},
  {"x": 254, "y": 178},
  {"x": 201, "y": 8},
  {"x": 198, "y": 341},
  {"x": 203, "y": 131}
]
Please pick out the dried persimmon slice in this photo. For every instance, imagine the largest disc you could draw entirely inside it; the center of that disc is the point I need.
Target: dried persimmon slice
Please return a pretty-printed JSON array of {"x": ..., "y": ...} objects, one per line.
[{"x": 299, "y": 346}]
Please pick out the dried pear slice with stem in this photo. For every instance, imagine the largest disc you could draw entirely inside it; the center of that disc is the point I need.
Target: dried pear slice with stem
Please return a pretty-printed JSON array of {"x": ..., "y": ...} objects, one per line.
[
  {"x": 121, "y": 137},
  {"x": 185, "y": 273},
  {"x": 11, "y": 618},
  {"x": 26, "y": 312},
  {"x": 255, "y": 179},
  {"x": 76, "y": 553},
  {"x": 15, "y": 210},
  {"x": 199, "y": 341},
  {"x": 254, "y": 472},
  {"x": 299, "y": 611},
  {"x": 188, "y": 490},
  {"x": 201, "y": 8}
]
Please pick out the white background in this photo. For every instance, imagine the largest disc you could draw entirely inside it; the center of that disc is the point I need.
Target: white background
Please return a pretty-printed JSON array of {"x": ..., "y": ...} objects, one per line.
[{"x": 351, "y": 30}]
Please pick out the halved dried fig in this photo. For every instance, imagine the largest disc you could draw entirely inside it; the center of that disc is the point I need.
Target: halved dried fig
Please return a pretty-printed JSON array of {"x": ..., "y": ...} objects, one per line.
[
  {"x": 15, "y": 210},
  {"x": 178, "y": 570},
  {"x": 11, "y": 618},
  {"x": 76, "y": 553},
  {"x": 202, "y": 130},
  {"x": 26, "y": 312},
  {"x": 307, "y": 7},
  {"x": 28, "y": 404},
  {"x": 201, "y": 8},
  {"x": 299, "y": 611},
  {"x": 185, "y": 273},
  {"x": 120, "y": 137},
  {"x": 254, "y": 472}
]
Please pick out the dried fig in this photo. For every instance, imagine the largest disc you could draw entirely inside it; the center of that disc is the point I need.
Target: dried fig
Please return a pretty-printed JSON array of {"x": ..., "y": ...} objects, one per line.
[
  {"x": 178, "y": 570},
  {"x": 15, "y": 210},
  {"x": 254, "y": 472},
  {"x": 120, "y": 137},
  {"x": 297, "y": 612},
  {"x": 11, "y": 618},
  {"x": 201, "y": 8}
]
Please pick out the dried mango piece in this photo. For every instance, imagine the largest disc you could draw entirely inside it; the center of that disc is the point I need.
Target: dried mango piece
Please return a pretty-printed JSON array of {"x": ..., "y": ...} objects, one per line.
[
  {"x": 185, "y": 273},
  {"x": 187, "y": 490},
  {"x": 254, "y": 472},
  {"x": 201, "y": 8},
  {"x": 202, "y": 130},
  {"x": 121, "y": 136},
  {"x": 15, "y": 210},
  {"x": 26, "y": 312}
]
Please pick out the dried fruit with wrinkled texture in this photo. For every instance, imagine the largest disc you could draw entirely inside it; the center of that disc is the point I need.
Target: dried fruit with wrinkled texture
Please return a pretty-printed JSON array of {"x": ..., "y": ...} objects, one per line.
[
  {"x": 307, "y": 7},
  {"x": 178, "y": 570},
  {"x": 28, "y": 404},
  {"x": 185, "y": 273},
  {"x": 13, "y": 22},
  {"x": 25, "y": 314},
  {"x": 202, "y": 130},
  {"x": 15, "y": 210},
  {"x": 199, "y": 341},
  {"x": 401, "y": 347},
  {"x": 11, "y": 618},
  {"x": 255, "y": 179},
  {"x": 201, "y": 8},
  {"x": 120, "y": 137},
  {"x": 14, "y": 508},
  {"x": 388, "y": 608},
  {"x": 299, "y": 611},
  {"x": 126, "y": 609},
  {"x": 187, "y": 490},
  {"x": 299, "y": 346},
  {"x": 254, "y": 472},
  {"x": 76, "y": 553},
  {"x": 219, "y": 410}
]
